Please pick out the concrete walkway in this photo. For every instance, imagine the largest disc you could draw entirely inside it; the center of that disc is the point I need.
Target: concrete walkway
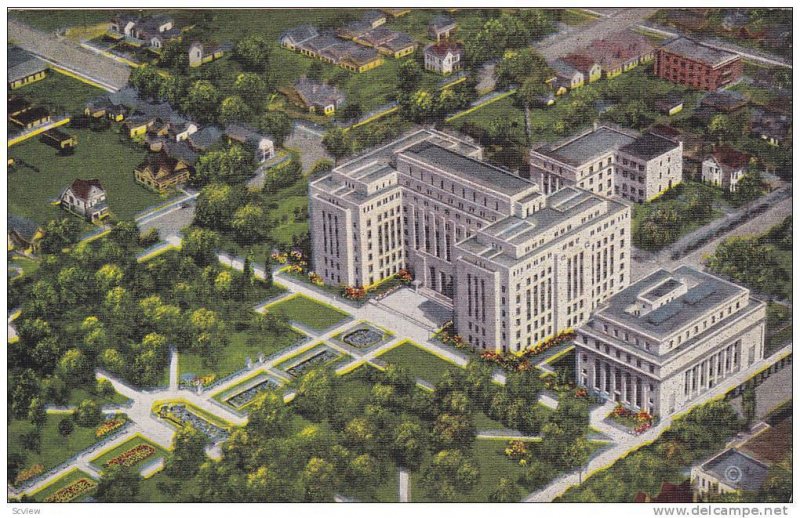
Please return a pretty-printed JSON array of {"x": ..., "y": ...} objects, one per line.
[
  {"x": 625, "y": 443},
  {"x": 402, "y": 483}
]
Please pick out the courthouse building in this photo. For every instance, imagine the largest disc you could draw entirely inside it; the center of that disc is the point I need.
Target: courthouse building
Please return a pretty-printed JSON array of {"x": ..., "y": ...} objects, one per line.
[
  {"x": 517, "y": 266},
  {"x": 666, "y": 340},
  {"x": 609, "y": 161}
]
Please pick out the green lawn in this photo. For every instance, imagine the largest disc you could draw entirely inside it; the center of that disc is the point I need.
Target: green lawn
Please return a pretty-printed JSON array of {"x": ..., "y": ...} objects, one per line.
[
  {"x": 78, "y": 394},
  {"x": 98, "y": 155},
  {"x": 242, "y": 344},
  {"x": 308, "y": 312},
  {"x": 283, "y": 231},
  {"x": 28, "y": 266},
  {"x": 101, "y": 460},
  {"x": 156, "y": 489},
  {"x": 55, "y": 448},
  {"x": 50, "y": 20},
  {"x": 60, "y": 93},
  {"x": 418, "y": 361},
  {"x": 484, "y": 422},
  {"x": 576, "y": 17},
  {"x": 63, "y": 481}
]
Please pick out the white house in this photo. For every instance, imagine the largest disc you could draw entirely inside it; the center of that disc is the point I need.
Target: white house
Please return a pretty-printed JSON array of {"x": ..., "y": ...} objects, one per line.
[
  {"x": 86, "y": 198},
  {"x": 264, "y": 147},
  {"x": 724, "y": 168},
  {"x": 444, "y": 57}
]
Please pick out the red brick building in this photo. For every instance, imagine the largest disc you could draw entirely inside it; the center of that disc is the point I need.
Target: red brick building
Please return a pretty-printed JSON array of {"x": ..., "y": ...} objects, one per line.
[{"x": 693, "y": 64}]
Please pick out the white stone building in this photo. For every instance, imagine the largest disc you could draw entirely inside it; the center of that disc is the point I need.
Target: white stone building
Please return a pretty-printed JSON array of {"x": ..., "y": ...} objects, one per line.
[{"x": 663, "y": 342}]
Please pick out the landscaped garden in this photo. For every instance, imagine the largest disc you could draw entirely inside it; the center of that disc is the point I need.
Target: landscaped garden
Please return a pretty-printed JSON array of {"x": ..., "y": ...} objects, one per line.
[
  {"x": 246, "y": 392},
  {"x": 418, "y": 361},
  {"x": 180, "y": 414},
  {"x": 308, "y": 312},
  {"x": 363, "y": 336},
  {"x": 34, "y": 450},
  {"x": 133, "y": 453},
  {"x": 71, "y": 487},
  {"x": 318, "y": 356}
]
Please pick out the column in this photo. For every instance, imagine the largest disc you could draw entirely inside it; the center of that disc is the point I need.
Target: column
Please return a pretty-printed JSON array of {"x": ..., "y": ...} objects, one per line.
[
  {"x": 635, "y": 391},
  {"x": 602, "y": 376}
]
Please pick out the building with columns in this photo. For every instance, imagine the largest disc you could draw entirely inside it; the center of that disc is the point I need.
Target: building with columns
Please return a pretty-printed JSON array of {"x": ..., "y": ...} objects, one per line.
[
  {"x": 610, "y": 161},
  {"x": 662, "y": 343},
  {"x": 478, "y": 238}
]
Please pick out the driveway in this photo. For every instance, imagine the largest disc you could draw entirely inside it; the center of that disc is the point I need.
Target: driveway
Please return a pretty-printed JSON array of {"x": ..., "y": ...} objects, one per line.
[{"x": 308, "y": 141}]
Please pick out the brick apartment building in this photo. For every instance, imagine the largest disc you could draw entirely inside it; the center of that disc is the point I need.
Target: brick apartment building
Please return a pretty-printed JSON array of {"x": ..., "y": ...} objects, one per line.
[{"x": 693, "y": 64}]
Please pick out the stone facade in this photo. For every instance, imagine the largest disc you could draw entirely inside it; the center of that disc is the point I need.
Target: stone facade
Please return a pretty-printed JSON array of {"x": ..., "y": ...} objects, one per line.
[{"x": 663, "y": 342}]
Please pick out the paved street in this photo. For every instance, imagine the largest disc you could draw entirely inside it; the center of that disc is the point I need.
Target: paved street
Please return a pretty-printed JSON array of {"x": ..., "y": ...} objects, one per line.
[
  {"x": 72, "y": 57},
  {"x": 561, "y": 45},
  {"x": 644, "y": 265}
]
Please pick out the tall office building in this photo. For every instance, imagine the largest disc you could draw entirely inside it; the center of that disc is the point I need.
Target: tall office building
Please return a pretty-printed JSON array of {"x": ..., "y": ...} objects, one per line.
[{"x": 484, "y": 240}]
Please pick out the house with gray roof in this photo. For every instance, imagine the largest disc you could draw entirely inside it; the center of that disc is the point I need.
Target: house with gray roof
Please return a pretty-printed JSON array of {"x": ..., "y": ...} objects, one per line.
[
  {"x": 731, "y": 471},
  {"x": 24, "y": 68},
  {"x": 317, "y": 97},
  {"x": 441, "y": 27},
  {"x": 262, "y": 145}
]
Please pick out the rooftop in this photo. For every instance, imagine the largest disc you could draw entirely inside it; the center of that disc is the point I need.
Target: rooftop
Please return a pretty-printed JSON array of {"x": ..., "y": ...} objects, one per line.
[
  {"x": 704, "y": 292},
  {"x": 470, "y": 169},
  {"x": 22, "y": 64},
  {"x": 589, "y": 146},
  {"x": 649, "y": 146},
  {"x": 695, "y": 51},
  {"x": 737, "y": 470}
]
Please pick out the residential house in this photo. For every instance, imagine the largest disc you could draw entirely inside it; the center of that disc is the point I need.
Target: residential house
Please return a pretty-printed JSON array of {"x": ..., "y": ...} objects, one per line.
[
  {"x": 396, "y": 12},
  {"x": 444, "y": 57},
  {"x": 353, "y": 30},
  {"x": 441, "y": 27},
  {"x": 24, "y": 68},
  {"x": 293, "y": 38},
  {"x": 123, "y": 24},
  {"x": 725, "y": 167},
  {"x": 687, "y": 62},
  {"x": 725, "y": 101},
  {"x": 387, "y": 41},
  {"x": 85, "y": 198},
  {"x": 360, "y": 59},
  {"x": 31, "y": 118},
  {"x": 180, "y": 150},
  {"x": 160, "y": 172},
  {"x": 17, "y": 105},
  {"x": 24, "y": 235},
  {"x": 205, "y": 139},
  {"x": 263, "y": 147},
  {"x": 317, "y": 97},
  {"x": 773, "y": 127},
  {"x": 585, "y": 64},
  {"x": 620, "y": 52},
  {"x": 137, "y": 125},
  {"x": 150, "y": 31},
  {"x": 374, "y": 18},
  {"x": 59, "y": 140},
  {"x": 566, "y": 75},
  {"x": 201, "y": 53},
  {"x": 670, "y": 104}
]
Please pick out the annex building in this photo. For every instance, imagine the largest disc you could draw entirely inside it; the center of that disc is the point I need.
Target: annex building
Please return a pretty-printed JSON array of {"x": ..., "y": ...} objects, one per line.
[
  {"x": 610, "y": 161},
  {"x": 516, "y": 265},
  {"x": 660, "y": 344}
]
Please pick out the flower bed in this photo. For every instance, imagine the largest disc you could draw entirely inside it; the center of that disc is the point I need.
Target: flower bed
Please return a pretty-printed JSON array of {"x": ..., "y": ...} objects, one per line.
[
  {"x": 243, "y": 398},
  {"x": 27, "y": 474},
  {"x": 638, "y": 422},
  {"x": 69, "y": 493},
  {"x": 133, "y": 456},
  {"x": 521, "y": 361},
  {"x": 309, "y": 363},
  {"x": 193, "y": 381},
  {"x": 108, "y": 426}
]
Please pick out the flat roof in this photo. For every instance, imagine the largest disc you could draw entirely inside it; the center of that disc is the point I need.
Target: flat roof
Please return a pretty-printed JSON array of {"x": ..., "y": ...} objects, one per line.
[
  {"x": 649, "y": 146},
  {"x": 468, "y": 168},
  {"x": 662, "y": 289},
  {"x": 705, "y": 291},
  {"x": 591, "y": 145},
  {"x": 695, "y": 51}
]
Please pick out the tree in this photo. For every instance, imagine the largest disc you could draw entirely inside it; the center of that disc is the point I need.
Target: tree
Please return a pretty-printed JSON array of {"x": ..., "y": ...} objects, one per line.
[
  {"x": 363, "y": 471},
  {"x": 750, "y": 187},
  {"x": 253, "y": 52},
  {"x": 202, "y": 101},
  {"x": 718, "y": 126},
  {"x": 453, "y": 431},
  {"x": 188, "y": 453},
  {"x": 506, "y": 491},
  {"x": 269, "y": 417},
  {"x": 174, "y": 87},
  {"x": 250, "y": 224},
  {"x": 277, "y": 124},
  {"x": 234, "y": 109},
  {"x": 147, "y": 81},
  {"x": 75, "y": 367},
  {"x": 336, "y": 142},
  {"x": 319, "y": 480},
  {"x": 118, "y": 484},
  {"x": 60, "y": 233},
  {"x": 529, "y": 93},
  {"x": 315, "y": 394},
  {"x": 37, "y": 414},
  {"x": 409, "y": 74},
  {"x": 201, "y": 245},
  {"x": 409, "y": 444},
  {"x": 109, "y": 276},
  {"x": 24, "y": 387},
  {"x": 252, "y": 88},
  {"x": 87, "y": 414}
]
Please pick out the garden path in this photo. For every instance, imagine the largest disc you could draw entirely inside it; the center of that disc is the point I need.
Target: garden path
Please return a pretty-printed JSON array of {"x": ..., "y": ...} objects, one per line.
[{"x": 402, "y": 488}]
